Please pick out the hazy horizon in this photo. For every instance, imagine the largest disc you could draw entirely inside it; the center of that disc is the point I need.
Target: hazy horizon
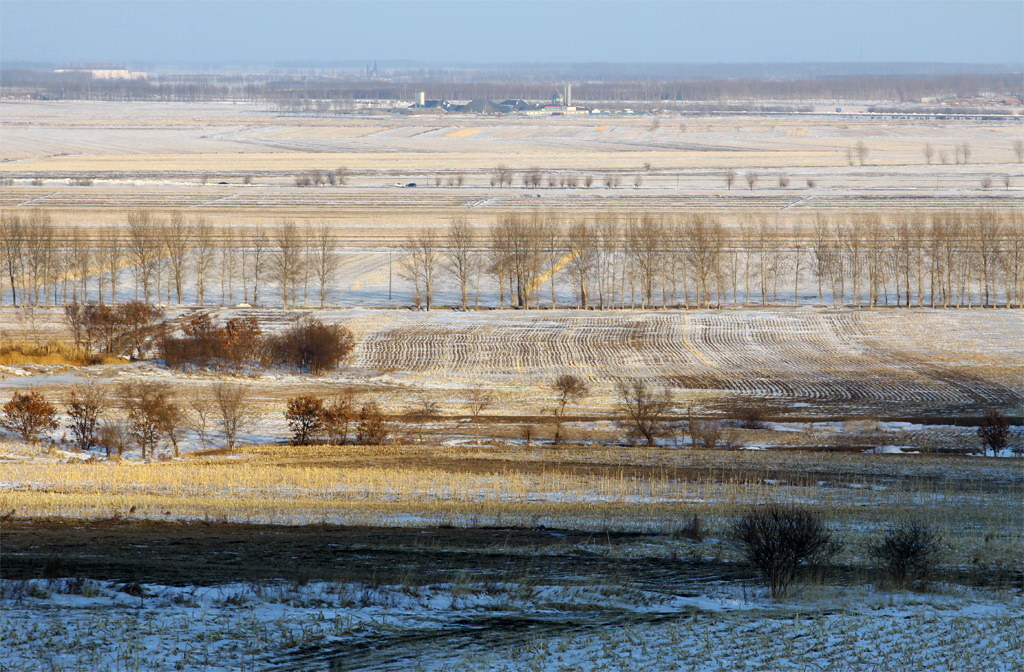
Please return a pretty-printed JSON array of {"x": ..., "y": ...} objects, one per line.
[{"x": 450, "y": 34}]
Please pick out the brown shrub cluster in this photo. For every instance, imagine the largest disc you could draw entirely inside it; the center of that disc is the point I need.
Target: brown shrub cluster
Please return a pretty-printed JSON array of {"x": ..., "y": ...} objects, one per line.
[
  {"x": 313, "y": 420},
  {"x": 126, "y": 329},
  {"x": 205, "y": 345},
  {"x": 310, "y": 346}
]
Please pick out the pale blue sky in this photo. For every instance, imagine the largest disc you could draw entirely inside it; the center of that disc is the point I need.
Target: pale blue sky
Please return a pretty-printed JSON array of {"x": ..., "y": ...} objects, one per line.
[{"x": 487, "y": 31}]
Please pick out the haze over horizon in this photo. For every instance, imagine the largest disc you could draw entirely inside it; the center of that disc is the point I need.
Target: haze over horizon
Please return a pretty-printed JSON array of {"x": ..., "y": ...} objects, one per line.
[{"x": 692, "y": 32}]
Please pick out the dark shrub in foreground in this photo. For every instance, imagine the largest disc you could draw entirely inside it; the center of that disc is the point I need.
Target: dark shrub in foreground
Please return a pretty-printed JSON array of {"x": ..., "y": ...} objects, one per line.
[
  {"x": 908, "y": 552},
  {"x": 782, "y": 541}
]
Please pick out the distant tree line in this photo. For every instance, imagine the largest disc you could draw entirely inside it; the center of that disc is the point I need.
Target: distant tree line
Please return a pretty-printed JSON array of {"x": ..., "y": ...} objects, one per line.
[{"x": 326, "y": 93}]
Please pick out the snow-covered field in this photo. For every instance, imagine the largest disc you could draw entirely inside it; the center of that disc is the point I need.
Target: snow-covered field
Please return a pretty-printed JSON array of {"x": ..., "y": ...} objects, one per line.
[{"x": 72, "y": 624}]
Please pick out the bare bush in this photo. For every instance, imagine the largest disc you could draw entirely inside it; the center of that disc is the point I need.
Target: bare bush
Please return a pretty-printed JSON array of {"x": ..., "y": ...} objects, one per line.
[
  {"x": 153, "y": 415},
  {"x": 84, "y": 405},
  {"x": 568, "y": 389},
  {"x": 113, "y": 438},
  {"x": 907, "y": 552},
  {"x": 126, "y": 329},
  {"x": 29, "y": 415},
  {"x": 643, "y": 410},
  {"x": 986, "y": 183},
  {"x": 730, "y": 177},
  {"x": 708, "y": 434},
  {"x": 811, "y": 183},
  {"x": 305, "y": 417},
  {"x": 205, "y": 345},
  {"x": 310, "y": 346},
  {"x": 994, "y": 432},
  {"x": 372, "y": 429},
  {"x": 783, "y": 181},
  {"x": 781, "y": 542},
  {"x": 339, "y": 416}
]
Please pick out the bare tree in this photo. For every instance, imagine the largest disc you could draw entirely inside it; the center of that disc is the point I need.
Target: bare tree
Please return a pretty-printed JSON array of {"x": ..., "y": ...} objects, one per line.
[
  {"x": 730, "y": 176},
  {"x": 783, "y": 181},
  {"x": 288, "y": 262},
  {"x": 325, "y": 260},
  {"x": 11, "y": 247},
  {"x": 861, "y": 150},
  {"x": 153, "y": 415},
  {"x": 204, "y": 255},
  {"x": 751, "y": 178},
  {"x": 420, "y": 265},
  {"x": 643, "y": 409},
  {"x": 143, "y": 248},
  {"x": 29, "y": 415},
  {"x": 1018, "y": 150},
  {"x": 929, "y": 153},
  {"x": 478, "y": 401},
  {"x": 568, "y": 389},
  {"x": 84, "y": 405},
  {"x": 232, "y": 403},
  {"x": 459, "y": 259},
  {"x": 583, "y": 258},
  {"x": 781, "y": 542},
  {"x": 503, "y": 176},
  {"x": 177, "y": 241}
]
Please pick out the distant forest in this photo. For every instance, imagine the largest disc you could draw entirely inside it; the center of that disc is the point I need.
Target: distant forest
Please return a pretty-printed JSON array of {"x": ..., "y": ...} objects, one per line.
[{"x": 300, "y": 91}]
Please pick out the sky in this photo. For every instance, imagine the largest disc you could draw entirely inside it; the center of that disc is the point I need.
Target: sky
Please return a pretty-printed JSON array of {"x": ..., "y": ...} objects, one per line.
[{"x": 497, "y": 31}]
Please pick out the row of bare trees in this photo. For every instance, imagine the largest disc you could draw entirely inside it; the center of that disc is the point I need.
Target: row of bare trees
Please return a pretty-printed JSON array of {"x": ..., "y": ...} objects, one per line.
[
  {"x": 169, "y": 261},
  {"x": 948, "y": 258},
  {"x": 642, "y": 260}
]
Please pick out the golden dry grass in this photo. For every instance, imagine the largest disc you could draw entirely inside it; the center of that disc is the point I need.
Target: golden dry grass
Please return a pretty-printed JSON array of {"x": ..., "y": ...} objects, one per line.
[
  {"x": 572, "y": 487},
  {"x": 52, "y": 352}
]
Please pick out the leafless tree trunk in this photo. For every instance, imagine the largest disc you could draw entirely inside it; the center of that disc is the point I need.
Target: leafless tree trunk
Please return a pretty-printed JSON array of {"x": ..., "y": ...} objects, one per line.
[
  {"x": 459, "y": 259},
  {"x": 143, "y": 248},
  {"x": 287, "y": 260},
  {"x": 177, "y": 245},
  {"x": 325, "y": 259},
  {"x": 420, "y": 265},
  {"x": 232, "y": 403}
]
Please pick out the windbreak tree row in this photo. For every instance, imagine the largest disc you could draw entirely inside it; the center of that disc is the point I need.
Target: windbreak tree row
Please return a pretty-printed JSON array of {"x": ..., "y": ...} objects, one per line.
[{"x": 538, "y": 259}]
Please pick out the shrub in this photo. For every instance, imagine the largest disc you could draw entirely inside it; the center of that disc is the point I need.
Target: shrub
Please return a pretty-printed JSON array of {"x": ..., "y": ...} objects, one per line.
[
  {"x": 568, "y": 389},
  {"x": 84, "y": 406},
  {"x": 126, "y": 329},
  {"x": 153, "y": 415},
  {"x": 372, "y": 429},
  {"x": 643, "y": 410},
  {"x": 28, "y": 415},
  {"x": 112, "y": 437},
  {"x": 994, "y": 431},
  {"x": 305, "y": 416},
  {"x": 338, "y": 417},
  {"x": 310, "y": 346},
  {"x": 781, "y": 542},
  {"x": 205, "y": 345},
  {"x": 908, "y": 552}
]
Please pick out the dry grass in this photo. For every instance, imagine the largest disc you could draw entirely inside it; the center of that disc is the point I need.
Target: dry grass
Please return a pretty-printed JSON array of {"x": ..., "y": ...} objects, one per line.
[
  {"x": 977, "y": 502},
  {"x": 60, "y": 353}
]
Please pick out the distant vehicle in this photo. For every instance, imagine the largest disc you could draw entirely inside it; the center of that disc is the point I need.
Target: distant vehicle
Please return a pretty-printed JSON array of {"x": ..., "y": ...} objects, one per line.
[
  {"x": 411, "y": 184},
  {"x": 222, "y": 183}
]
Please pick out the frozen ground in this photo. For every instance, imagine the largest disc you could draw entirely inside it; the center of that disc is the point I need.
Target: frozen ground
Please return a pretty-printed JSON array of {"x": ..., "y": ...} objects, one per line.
[{"x": 73, "y": 624}]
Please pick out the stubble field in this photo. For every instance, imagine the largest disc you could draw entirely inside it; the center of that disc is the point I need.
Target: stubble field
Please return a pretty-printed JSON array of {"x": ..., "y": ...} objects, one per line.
[{"x": 474, "y": 542}]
